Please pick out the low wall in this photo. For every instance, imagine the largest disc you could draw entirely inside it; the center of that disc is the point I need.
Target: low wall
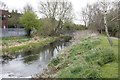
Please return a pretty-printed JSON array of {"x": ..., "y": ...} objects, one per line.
[{"x": 8, "y": 32}]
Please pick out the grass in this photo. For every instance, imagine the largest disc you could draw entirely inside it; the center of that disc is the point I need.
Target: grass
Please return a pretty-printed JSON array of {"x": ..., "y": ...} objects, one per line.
[
  {"x": 8, "y": 41},
  {"x": 110, "y": 70},
  {"x": 40, "y": 42},
  {"x": 14, "y": 38},
  {"x": 29, "y": 46},
  {"x": 91, "y": 58}
]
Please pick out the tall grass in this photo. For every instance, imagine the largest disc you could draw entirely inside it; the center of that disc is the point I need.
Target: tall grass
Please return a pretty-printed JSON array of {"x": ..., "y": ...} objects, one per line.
[{"x": 87, "y": 59}]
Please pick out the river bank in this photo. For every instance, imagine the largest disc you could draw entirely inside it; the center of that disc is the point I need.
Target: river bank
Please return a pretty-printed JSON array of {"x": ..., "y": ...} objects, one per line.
[
  {"x": 28, "y": 63},
  {"x": 87, "y": 57},
  {"x": 11, "y": 46}
]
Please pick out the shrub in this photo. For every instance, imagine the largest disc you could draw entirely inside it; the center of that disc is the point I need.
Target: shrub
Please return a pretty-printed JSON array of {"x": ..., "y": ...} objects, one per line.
[
  {"x": 100, "y": 55},
  {"x": 92, "y": 55},
  {"x": 89, "y": 43},
  {"x": 66, "y": 37},
  {"x": 106, "y": 57}
]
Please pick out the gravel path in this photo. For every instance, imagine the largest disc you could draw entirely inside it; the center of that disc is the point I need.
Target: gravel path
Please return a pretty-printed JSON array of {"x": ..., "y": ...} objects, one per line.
[{"x": 115, "y": 38}]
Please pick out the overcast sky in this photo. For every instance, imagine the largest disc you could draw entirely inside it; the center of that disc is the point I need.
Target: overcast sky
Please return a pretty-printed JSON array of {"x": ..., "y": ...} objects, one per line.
[{"x": 19, "y": 4}]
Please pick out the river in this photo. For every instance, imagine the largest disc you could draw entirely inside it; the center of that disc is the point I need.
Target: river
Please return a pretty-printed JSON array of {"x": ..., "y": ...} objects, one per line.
[{"x": 29, "y": 63}]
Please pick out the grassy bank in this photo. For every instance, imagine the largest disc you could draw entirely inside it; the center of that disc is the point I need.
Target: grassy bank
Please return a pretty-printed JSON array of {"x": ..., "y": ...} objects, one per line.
[
  {"x": 7, "y": 41},
  {"x": 18, "y": 44},
  {"x": 91, "y": 58},
  {"x": 29, "y": 46},
  {"x": 110, "y": 70}
]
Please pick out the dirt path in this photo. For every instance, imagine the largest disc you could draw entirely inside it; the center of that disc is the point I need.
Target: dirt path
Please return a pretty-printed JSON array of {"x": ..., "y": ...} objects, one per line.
[{"x": 115, "y": 38}]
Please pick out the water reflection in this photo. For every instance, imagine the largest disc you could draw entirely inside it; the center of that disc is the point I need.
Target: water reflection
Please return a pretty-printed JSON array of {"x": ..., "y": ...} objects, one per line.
[
  {"x": 33, "y": 61},
  {"x": 46, "y": 53}
]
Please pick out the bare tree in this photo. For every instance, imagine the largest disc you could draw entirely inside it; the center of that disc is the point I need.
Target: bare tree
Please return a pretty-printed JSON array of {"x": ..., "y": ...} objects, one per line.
[
  {"x": 56, "y": 10},
  {"x": 105, "y": 8},
  {"x": 119, "y": 13},
  {"x": 3, "y": 5},
  {"x": 84, "y": 16},
  {"x": 103, "y": 16},
  {"x": 28, "y": 7}
]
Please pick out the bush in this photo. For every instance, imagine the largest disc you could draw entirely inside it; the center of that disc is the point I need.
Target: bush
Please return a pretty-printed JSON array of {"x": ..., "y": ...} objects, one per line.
[
  {"x": 72, "y": 26},
  {"x": 106, "y": 57},
  {"x": 47, "y": 27},
  {"x": 91, "y": 57},
  {"x": 100, "y": 55},
  {"x": 89, "y": 43},
  {"x": 79, "y": 71},
  {"x": 85, "y": 45},
  {"x": 66, "y": 37}
]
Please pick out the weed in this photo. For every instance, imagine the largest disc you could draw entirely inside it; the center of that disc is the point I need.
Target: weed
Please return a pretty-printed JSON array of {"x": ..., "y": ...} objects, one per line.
[
  {"x": 106, "y": 57},
  {"x": 55, "y": 61}
]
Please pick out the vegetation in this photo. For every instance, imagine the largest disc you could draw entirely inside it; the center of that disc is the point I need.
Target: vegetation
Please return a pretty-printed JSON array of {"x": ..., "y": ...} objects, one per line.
[
  {"x": 30, "y": 21},
  {"x": 102, "y": 16},
  {"x": 9, "y": 41},
  {"x": 56, "y": 13},
  {"x": 13, "y": 20},
  {"x": 93, "y": 16},
  {"x": 14, "y": 38},
  {"x": 71, "y": 26},
  {"x": 17, "y": 44},
  {"x": 47, "y": 27},
  {"x": 91, "y": 58},
  {"x": 34, "y": 44}
]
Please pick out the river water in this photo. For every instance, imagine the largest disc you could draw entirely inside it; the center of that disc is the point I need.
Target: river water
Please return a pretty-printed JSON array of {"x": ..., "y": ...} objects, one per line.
[{"x": 29, "y": 63}]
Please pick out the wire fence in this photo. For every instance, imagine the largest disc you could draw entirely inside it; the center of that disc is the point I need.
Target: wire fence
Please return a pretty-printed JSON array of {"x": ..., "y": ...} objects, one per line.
[{"x": 8, "y": 32}]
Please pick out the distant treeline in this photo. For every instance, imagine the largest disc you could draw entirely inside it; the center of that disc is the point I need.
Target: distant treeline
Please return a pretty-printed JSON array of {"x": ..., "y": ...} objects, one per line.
[{"x": 93, "y": 16}]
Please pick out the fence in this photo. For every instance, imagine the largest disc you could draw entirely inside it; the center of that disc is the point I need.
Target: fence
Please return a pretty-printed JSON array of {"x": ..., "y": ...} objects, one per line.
[{"x": 8, "y": 32}]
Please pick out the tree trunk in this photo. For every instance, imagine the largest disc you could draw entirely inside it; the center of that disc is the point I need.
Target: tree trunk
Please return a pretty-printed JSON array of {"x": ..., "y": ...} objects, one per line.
[
  {"x": 101, "y": 31},
  {"x": 85, "y": 24},
  {"x": 58, "y": 26},
  {"x": 28, "y": 32},
  {"x": 106, "y": 29}
]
